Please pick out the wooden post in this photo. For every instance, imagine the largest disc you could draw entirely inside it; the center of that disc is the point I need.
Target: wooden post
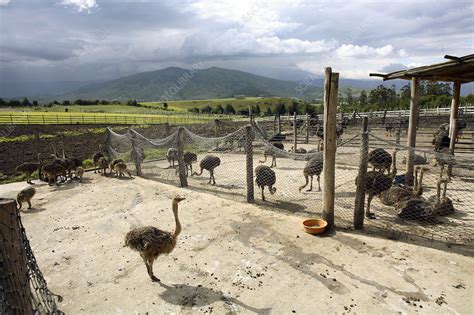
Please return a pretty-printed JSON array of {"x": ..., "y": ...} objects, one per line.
[
  {"x": 295, "y": 133},
  {"x": 249, "y": 163},
  {"x": 167, "y": 129},
  {"x": 331, "y": 86},
  {"x": 37, "y": 141},
  {"x": 136, "y": 156},
  {"x": 360, "y": 190},
  {"x": 279, "y": 123},
  {"x": 453, "y": 121},
  {"x": 181, "y": 166},
  {"x": 14, "y": 281},
  {"x": 411, "y": 139},
  {"x": 307, "y": 128}
]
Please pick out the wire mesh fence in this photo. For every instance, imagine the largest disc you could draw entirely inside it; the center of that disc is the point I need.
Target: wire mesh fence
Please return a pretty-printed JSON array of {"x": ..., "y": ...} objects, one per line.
[
  {"x": 283, "y": 178},
  {"x": 23, "y": 288}
]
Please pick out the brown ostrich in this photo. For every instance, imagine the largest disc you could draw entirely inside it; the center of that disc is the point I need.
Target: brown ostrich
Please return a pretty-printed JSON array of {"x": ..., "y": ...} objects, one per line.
[
  {"x": 172, "y": 156},
  {"x": 396, "y": 194},
  {"x": 265, "y": 176},
  {"x": 209, "y": 162},
  {"x": 380, "y": 159},
  {"x": 152, "y": 242},
  {"x": 189, "y": 158},
  {"x": 96, "y": 157},
  {"x": 25, "y": 196},
  {"x": 441, "y": 206},
  {"x": 27, "y": 169},
  {"x": 270, "y": 151},
  {"x": 313, "y": 167}
]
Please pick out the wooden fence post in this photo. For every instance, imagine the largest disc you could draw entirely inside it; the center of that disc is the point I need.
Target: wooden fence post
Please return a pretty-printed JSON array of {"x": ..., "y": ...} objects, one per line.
[
  {"x": 295, "y": 133},
  {"x": 279, "y": 123},
  {"x": 411, "y": 138},
  {"x": 331, "y": 86},
  {"x": 360, "y": 190},
  {"x": 249, "y": 163},
  {"x": 167, "y": 129},
  {"x": 307, "y": 128},
  {"x": 37, "y": 141},
  {"x": 14, "y": 281},
  {"x": 136, "y": 154},
  {"x": 181, "y": 166}
]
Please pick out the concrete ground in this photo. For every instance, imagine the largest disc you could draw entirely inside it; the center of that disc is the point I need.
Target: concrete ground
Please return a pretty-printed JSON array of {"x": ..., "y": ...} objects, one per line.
[{"x": 231, "y": 257}]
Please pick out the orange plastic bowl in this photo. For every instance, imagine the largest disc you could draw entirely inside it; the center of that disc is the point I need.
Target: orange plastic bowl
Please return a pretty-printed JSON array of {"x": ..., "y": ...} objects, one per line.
[{"x": 314, "y": 226}]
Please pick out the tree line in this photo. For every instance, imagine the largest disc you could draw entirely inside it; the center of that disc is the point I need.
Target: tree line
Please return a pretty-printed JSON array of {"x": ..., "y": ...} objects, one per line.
[{"x": 431, "y": 95}]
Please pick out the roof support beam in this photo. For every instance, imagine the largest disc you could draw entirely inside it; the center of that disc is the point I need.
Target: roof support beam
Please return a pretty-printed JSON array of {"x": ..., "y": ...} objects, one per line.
[
  {"x": 411, "y": 140},
  {"x": 453, "y": 119}
]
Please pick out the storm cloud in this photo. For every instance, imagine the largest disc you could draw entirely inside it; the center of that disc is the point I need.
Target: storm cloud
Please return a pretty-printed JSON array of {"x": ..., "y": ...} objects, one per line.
[{"x": 88, "y": 40}]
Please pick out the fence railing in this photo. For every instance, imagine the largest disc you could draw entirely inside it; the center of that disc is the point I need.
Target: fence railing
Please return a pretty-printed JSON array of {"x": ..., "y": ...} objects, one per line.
[{"x": 52, "y": 118}]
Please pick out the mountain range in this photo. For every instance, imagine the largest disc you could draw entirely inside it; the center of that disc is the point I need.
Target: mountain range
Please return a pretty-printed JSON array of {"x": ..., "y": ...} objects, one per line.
[{"x": 184, "y": 84}]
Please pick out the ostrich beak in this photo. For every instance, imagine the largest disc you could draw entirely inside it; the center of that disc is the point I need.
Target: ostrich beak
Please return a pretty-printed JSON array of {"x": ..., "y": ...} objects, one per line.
[{"x": 179, "y": 199}]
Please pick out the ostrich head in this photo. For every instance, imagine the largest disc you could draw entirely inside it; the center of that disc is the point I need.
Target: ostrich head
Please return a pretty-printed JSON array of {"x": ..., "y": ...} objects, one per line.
[
  {"x": 178, "y": 199},
  {"x": 273, "y": 190}
]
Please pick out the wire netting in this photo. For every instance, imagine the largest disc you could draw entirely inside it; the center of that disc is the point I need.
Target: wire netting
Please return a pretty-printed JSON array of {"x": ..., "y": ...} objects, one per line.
[
  {"x": 20, "y": 276},
  {"x": 289, "y": 179}
]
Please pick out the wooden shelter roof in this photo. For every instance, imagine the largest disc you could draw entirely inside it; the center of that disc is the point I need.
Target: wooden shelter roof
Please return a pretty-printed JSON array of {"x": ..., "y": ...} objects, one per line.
[{"x": 458, "y": 69}]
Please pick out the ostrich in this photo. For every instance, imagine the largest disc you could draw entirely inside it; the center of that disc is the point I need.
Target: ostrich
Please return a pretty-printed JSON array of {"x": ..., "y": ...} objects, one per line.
[
  {"x": 380, "y": 159},
  {"x": 265, "y": 176},
  {"x": 442, "y": 206},
  {"x": 151, "y": 242},
  {"x": 171, "y": 156},
  {"x": 27, "y": 169},
  {"x": 189, "y": 158},
  {"x": 313, "y": 167},
  {"x": 417, "y": 159},
  {"x": 25, "y": 196},
  {"x": 442, "y": 158},
  {"x": 441, "y": 139},
  {"x": 270, "y": 151},
  {"x": 209, "y": 162},
  {"x": 396, "y": 194},
  {"x": 96, "y": 157},
  {"x": 298, "y": 150}
]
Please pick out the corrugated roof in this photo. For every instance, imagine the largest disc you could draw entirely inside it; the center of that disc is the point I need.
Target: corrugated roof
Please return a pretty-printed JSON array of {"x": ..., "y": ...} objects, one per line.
[{"x": 459, "y": 69}]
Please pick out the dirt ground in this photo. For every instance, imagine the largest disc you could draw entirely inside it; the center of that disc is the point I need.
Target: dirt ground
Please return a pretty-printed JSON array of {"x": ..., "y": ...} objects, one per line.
[{"x": 231, "y": 257}]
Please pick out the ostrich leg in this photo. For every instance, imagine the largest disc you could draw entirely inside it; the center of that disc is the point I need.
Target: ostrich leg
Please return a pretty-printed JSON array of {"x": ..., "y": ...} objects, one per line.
[
  {"x": 311, "y": 183},
  {"x": 319, "y": 184},
  {"x": 263, "y": 196},
  {"x": 213, "y": 178},
  {"x": 150, "y": 271},
  {"x": 368, "y": 214}
]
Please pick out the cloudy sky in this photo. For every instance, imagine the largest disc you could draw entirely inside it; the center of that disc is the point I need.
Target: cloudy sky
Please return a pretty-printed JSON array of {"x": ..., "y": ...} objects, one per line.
[{"x": 51, "y": 40}]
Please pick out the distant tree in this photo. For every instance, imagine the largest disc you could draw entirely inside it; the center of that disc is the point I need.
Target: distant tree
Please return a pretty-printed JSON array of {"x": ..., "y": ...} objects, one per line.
[
  {"x": 280, "y": 108},
  {"x": 363, "y": 99},
  {"x": 25, "y": 102},
  {"x": 229, "y": 109},
  {"x": 349, "y": 97},
  {"x": 405, "y": 95},
  {"x": 309, "y": 109},
  {"x": 2, "y": 102},
  {"x": 194, "y": 110},
  {"x": 56, "y": 102},
  {"x": 66, "y": 103},
  {"x": 218, "y": 109},
  {"x": 256, "y": 110},
  {"x": 269, "y": 111},
  {"x": 14, "y": 103},
  {"x": 104, "y": 102},
  {"x": 206, "y": 110},
  {"x": 293, "y": 107},
  {"x": 132, "y": 103},
  {"x": 35, "y": 103},
  {"x": 165, "y": 105}
]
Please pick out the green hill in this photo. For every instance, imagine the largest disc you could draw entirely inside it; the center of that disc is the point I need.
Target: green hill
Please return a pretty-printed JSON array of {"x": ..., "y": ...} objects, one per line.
[{"x": 182, "y": 84}]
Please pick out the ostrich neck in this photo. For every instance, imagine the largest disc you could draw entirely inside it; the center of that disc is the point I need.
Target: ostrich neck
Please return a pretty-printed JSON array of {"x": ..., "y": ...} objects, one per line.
[
  {"x": 178, "y": 224},
  {"x": 419, "y": 188}
]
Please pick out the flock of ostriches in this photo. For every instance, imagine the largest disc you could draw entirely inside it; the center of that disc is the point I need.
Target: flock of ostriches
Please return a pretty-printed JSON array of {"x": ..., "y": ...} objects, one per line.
[{"x": 398, "y": 191}]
